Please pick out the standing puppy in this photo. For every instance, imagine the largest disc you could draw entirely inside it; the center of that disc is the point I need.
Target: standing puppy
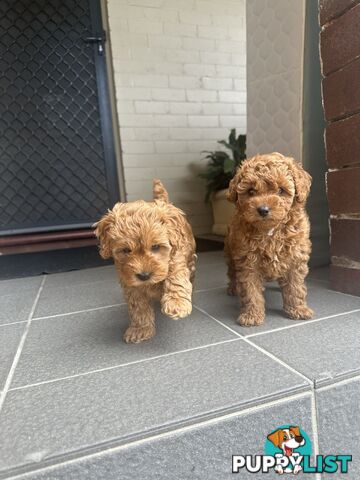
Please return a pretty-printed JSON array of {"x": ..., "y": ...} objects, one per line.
[
  {"x": 268, "y": 236},
  {"x": 154, "y": 253}
]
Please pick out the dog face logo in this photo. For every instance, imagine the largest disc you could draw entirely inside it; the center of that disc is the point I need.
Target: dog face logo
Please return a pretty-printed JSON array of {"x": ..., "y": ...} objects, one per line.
[{"x": 287, "y": 440}]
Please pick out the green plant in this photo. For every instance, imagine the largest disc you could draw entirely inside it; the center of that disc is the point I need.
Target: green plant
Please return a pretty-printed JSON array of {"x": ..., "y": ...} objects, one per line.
[{"x": 221, "y": 166}]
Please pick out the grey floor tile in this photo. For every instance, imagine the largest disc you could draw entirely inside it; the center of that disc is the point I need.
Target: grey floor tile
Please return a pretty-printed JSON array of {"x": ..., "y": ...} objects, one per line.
[
  {"x": 55, "y": 418},
  {"x": 210, "y": 258},
  {"x": 210, "y": 276},
  {"x": 323, "y": 301},
  {"x": 17, "y": 285},
  {"x": 200, "y": 453},
  {"x": 17, "y": 307},
  {"x": 10, "y": 336},
  {"x": 93, "y": 340},
  {"x": 323, "y": 351},
  {"x": 78, "y": 277},
  {"x": 339, "y": 424},
  {"x": 55, "y": 300}
]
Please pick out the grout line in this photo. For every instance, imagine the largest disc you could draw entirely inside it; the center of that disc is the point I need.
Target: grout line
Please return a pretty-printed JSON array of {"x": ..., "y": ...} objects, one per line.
[
  {"x": 303, "y": 323},
  {"x": 209, "y": 289},
  {"x": 20, "y": 347},
  {"x": 339, "y": 383},
  {"x": 113, "y": 367},
  {"x": 218, "y": 321},
  {"x": 314, "y": 421},
  {"x": 12, "y": 323},
  {"x": 79, "y": 311},
  {"x": 168, "y": 433},
  {"x": 261, "y": 349}
]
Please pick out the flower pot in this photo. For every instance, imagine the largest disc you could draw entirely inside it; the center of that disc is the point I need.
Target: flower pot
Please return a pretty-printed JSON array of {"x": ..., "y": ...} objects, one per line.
[{"x": 223, "y": 211}]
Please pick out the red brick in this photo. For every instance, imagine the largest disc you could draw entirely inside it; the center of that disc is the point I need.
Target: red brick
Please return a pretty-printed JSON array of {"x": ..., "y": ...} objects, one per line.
[
  {"x": 340, "y": 41},
  {"x": 343, "y": 142},
  {"x": 330, "y": 9},
  {"x": 341, "y": 92},
  {"x": 345, "y": 280},
  {"x": 343, "y": 190},
  {"x": 345, "y": 238}
]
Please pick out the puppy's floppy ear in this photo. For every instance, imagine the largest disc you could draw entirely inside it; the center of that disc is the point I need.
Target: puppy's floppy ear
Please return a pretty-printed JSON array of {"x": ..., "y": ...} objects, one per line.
[
  {"x": 295, "y": 431},
  {"x": 102, "y": 232},
  {"x": 302, "y": 181},
  {"x": 275, "y": 438},
  {"x": 232, "y": 192}
]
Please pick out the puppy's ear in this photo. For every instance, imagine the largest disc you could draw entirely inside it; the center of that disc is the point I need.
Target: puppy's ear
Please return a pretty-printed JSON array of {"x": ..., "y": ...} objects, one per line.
[
  {"x": 275, "y": 438},
  {"x": 295, "y": 431},
  {"x": 102, "y": 232},
  {"x": 302, "y": 181},
  {"x": 232, "y": 192}
]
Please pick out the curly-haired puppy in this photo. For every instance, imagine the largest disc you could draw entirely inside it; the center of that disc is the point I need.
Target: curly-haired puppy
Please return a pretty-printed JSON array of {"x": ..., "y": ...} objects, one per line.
[
  {"x": 154, "y": 254},
  {"x": 268, "y": 236}
]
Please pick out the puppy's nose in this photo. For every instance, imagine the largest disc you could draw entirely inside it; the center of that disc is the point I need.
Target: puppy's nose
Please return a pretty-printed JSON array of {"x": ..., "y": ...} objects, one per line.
[
  {"x": 299, "y": 439},
  {"x": 263, "y": 210},
  {"x": 143, "y": 276}
]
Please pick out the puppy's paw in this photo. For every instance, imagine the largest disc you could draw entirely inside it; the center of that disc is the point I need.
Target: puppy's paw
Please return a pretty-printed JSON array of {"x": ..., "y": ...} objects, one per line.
[
  {"x": 176, "y": 308},
  {"x": 250, "y": 319},
  {"x": 299, "y": 313},
  {"x": 138, "y": 334}
]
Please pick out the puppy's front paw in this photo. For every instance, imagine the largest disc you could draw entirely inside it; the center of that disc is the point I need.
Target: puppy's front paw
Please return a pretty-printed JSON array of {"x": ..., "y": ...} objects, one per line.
[
  {"x": 138, "y": 334},
  {"x": 299, "y": 313},
  {"x": 176, "y": 308},
  {"x": 250, "y": 319}
]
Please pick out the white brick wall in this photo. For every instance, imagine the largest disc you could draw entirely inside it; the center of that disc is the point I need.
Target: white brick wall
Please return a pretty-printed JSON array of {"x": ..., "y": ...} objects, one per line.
[{"x": 179, "y": 69}]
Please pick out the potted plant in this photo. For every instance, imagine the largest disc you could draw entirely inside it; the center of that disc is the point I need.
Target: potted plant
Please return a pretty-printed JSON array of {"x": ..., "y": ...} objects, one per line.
[{"x": 220, "y": 170}]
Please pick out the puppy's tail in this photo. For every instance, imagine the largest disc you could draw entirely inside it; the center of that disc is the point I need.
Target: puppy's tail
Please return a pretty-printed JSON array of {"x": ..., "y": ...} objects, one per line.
[{"x": 159, "y": 191}]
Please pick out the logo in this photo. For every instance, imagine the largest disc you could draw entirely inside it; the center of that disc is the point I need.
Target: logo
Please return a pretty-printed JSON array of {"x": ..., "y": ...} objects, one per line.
[{"x": 288, "y": 450}]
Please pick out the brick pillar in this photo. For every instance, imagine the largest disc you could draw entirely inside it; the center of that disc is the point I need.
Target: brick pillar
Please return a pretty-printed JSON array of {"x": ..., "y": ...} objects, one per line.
[{"x": 340, "y": 51}]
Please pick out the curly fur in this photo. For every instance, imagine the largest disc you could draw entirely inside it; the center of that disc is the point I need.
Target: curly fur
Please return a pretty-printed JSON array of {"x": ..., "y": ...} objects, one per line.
[
  {"x": 273, "y": 247},
  {"x": 152, "y": 237}
]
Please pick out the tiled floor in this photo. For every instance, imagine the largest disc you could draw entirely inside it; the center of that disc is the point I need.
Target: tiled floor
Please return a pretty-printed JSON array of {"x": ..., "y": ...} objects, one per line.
[{"x": 78, "y": 403}]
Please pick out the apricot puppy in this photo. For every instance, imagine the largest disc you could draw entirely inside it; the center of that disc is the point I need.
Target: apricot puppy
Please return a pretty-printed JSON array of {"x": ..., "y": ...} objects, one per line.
[
  {"x": 154, "y": 254},
  {"x": 268, "y": 236}
]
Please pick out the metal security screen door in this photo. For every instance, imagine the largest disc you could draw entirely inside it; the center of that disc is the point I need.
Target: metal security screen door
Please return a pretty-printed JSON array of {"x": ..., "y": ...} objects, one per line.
[{"x": 57, "y": 158}]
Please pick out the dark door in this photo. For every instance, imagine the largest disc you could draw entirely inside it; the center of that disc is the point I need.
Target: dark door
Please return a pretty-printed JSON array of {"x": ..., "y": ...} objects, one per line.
[{"x": 57, "y": 158}]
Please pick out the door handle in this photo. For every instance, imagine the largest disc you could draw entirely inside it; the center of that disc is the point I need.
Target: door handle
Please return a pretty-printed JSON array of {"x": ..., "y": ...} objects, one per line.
[{"x": 99, "y": 38}]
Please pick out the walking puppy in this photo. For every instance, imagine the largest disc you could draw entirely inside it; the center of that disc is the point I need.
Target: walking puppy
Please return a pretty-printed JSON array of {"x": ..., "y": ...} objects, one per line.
[
  {"x": 154, "y": 253},
  {"x": 268, "y": 237}
]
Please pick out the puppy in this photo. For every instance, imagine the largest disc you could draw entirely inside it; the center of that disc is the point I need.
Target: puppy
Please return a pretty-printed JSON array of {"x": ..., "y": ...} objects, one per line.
[
  {"x": 268, "y": 236},
  {"x": 287, "y": 439},
  {"x": 154, "y": 254}
]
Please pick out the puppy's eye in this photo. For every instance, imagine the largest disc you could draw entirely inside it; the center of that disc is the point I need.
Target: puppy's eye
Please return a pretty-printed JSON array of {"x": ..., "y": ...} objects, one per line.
[
  {"x": 281, "y": 191},
  {"x": 125, "y": 250},
  {"x": 251, "y": 192},
  {"x": 155, "y": 248}
]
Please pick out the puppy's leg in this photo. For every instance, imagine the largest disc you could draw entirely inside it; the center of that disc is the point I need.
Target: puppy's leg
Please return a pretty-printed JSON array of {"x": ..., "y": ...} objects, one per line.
[
  {"x": 231, "y": 273},
  {"x": 249, "y": 285},
  {"x": 142, "y": 316},
  {"x": 176, "y": 300},
  {"x": 293, "y": 290}
]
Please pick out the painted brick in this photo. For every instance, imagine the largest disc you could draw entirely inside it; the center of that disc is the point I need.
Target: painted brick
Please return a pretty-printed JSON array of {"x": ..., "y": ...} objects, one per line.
[
  {"x": 201, "y": 44},
  {"x": 218, "y": 83},
  {"x": 195, "y": 18},
  {"x": 238, "y": 97},
  {"x": 163, "y": 14},
  {"x": 152, "y": 133},
  {"x": 180, "y": 29},
  {"x": 185, "y": 133},
  {"x": 231, "y": 46},
  {"x": 233, "y": 121},
  {"x": 132, "y": 93},
  {"x": 201, "y": 95},
  {"x": 138, "y": 147},
  {"x": 184, "y": 82},
  {"x": 182, "y": 56},
  {"x": 170, "y": 147},
  {"x": 329, "y": 9},
  {"x": 151, "y": 80},
  {"x": 217, "y": 108},
  {"x": 197, "y": 69},
  {"x": 213, "y": 32},
  {"x": 345, "y": 238},
  {"x": 144, "y": 26},
  {"x": 216, "y": 58},
  {"x": 161, "y": 41},
  {"x": 343, "y": 142},
  {"x": 340, "y": 41},
  {"x": 345, "y": 280},
  {"x": 135, "y": 120},
  {"x": 203, "y": 121},
  {"x": 343, "y": 191},
  {"x": 167, "y": 94},
  {"x": 152, "y": 107},
  {"x": 341, "y": 91},
  {"x": 187, "y": 108},
  {"x": 170, "y": 121},
  {"x": 231, "y": 71}
]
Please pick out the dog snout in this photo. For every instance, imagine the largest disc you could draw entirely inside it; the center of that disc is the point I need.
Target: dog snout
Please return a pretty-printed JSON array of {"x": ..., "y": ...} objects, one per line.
[
  {"x": 143, "y": 276},
  {"x": 299, "y": 439},
  {"x": 263, "y": 210}
]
